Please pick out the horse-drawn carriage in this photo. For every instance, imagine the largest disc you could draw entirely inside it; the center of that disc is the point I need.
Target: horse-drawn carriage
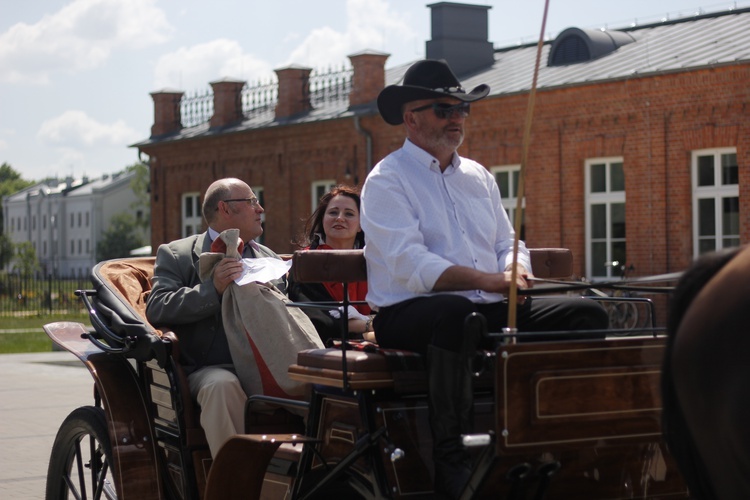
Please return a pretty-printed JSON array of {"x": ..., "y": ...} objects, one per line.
[{"x": 560, "y": 418}]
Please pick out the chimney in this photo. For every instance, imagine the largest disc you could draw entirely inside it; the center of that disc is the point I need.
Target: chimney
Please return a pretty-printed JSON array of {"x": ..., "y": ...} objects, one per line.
[
  {"x": 167, "y": 116},
  {"x": 227, "y": 102},
  {"x": 369, "y": 76},
  {"x": 460, "y": 36},
  {"x": 294, "y": 91}
]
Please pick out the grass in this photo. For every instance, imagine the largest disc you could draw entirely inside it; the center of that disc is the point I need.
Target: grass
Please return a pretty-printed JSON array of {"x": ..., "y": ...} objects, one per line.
[{"x": 25, "y": 334}]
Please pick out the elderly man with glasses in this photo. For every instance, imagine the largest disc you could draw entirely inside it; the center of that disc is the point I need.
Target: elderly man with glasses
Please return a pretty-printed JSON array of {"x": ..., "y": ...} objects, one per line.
[
  {"x": 439, "y": 248},
  {"x": 192, "y": 308}
]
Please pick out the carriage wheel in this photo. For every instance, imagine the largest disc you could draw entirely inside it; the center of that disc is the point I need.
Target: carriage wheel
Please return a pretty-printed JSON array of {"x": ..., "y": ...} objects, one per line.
[
  {"x": 623, "y": 315},
  {"x": 80, "y": 462}
]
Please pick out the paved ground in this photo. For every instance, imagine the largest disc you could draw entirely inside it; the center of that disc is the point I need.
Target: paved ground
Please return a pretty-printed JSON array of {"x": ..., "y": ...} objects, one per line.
[{"x": 37, "y": 391}]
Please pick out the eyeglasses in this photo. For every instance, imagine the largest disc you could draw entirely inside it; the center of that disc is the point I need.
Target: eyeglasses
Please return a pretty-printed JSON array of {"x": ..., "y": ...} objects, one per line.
[
  {"x": 443, "y": 110},
  {"x": 252, "y": 201}
]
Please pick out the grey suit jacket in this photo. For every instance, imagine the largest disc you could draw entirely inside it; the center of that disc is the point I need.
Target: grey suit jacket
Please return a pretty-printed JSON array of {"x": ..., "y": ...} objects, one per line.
[{"x": 189, "y": 307}]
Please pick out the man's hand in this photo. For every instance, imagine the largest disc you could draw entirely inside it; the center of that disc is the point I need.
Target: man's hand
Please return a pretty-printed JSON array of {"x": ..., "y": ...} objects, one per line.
[
  {"x": 227, "y": 270},
  {"x": 522, "y": 276}
]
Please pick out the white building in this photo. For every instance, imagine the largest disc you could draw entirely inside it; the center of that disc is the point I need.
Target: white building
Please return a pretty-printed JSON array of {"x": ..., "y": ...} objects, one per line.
[{"x": 65, "y": 220}]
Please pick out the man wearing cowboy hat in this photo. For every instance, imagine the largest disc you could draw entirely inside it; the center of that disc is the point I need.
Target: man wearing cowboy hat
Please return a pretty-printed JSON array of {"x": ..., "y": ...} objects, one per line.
[{"x": 439, "y": 248}]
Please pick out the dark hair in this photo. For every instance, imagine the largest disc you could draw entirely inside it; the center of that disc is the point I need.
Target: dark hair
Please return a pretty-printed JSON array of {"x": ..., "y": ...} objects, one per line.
[
  {"x": 313, "y": 228},
  {"x": 675, "y": 429}
]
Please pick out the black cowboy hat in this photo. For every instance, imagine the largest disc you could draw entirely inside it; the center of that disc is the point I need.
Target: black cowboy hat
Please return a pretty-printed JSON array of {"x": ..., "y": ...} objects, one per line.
[{"x": 427, "y": 79}]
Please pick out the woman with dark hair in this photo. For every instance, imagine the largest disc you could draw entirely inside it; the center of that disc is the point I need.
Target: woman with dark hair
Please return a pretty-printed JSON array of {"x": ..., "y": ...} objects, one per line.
[{"x": 334, "y": 225}]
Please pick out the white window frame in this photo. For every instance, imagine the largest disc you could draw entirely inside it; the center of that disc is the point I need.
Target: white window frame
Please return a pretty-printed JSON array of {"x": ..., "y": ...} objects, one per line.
[
  {"x": 510, "y": 200},
  {"x": 195, "y": 221},
  {"x": 608, "y": 198},
  {"x": 318, "y": 189},
  {"x": 717, "y": 192}
]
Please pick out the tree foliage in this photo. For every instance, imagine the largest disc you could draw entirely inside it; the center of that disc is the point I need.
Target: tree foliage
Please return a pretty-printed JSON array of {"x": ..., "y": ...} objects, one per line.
[
  {"x": 6, "y": 250},
  {"x": 120, "y": 238},
  {"x": 10, "y": 182},
  {"x": 25, "y": 259},
  {"x": 140, "y": 184}
]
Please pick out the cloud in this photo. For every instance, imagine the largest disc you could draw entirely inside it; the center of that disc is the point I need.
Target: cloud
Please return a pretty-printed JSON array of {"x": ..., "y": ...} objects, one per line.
[
  {"x": 190, "y": 68},
  {"x": 3, "y": 145},
  {"x": 371, "y": 24},
  {"x": 75, "y": 128},
  {"x": 78, "y": 37}
]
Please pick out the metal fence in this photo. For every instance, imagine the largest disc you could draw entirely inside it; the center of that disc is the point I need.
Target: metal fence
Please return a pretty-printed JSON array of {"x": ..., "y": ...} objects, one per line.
[
  {"x": 257, "y": 98},
  {"x": 21, "y": 295}
]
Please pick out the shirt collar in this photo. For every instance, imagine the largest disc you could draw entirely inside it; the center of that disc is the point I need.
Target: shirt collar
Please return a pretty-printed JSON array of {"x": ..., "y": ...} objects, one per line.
[
  {"x": 213, "y": 234},
  {"x": 427, "y": 160}
]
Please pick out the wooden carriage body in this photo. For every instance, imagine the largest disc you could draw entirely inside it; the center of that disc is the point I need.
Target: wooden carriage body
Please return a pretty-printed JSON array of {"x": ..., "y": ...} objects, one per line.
[{"x": 563, "y": 419}]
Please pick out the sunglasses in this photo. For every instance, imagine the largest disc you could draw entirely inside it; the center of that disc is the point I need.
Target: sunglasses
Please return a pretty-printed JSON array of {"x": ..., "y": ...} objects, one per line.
[{"x": 443, "y": 110}]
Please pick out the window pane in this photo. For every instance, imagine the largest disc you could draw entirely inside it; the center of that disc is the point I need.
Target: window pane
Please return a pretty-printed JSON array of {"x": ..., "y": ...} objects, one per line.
[
  {"x": 598, "y": 258},
  {"x": 729, "y": 170},
  {"x": 706, "y": 246},
  {"x": 618, "y": 220},
  {"x": 502, "y": 183},
  {"x": 198, "y": 207},
  {"x": 616, "y": 177},
  {"x": 516, "y": 177},
  {"x": 598, "y": 178},
  {"x": 705, "y": 170},
  {"x": 619, "y": 255},
  {"x": 599, "y": 221},
  {"x": 730, "y": 216},
  {"x": 730, "y": 242},
  {"x": 706, "y": 217},
  {"x": 188, "y": 207}
]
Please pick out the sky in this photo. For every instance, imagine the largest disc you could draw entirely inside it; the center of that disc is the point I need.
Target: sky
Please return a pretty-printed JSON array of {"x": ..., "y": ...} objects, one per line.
[{"x": 76, "y": 75}]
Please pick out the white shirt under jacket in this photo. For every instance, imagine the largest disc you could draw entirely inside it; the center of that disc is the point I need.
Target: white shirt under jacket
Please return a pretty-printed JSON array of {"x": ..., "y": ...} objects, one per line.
[{"x": 419, "y": 221}]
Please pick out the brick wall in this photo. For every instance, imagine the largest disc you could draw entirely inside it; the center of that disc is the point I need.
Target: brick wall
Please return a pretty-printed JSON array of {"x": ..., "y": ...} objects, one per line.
[{"x": 652, "y": 122}]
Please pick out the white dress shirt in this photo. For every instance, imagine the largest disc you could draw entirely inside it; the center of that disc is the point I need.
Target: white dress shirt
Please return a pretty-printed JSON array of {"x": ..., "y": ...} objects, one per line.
[{"x": 419, "y": 221}]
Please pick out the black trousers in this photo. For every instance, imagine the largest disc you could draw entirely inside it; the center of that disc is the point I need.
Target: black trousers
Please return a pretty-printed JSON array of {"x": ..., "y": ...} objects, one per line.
[{"x": 439, "y": 319}]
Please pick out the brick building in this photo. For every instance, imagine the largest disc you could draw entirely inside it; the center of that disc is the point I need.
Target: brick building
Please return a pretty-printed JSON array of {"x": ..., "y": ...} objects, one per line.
[{"x": 640, "y": 145}]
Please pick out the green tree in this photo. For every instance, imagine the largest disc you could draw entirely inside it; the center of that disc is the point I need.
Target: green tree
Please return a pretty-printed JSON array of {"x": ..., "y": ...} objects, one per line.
[
  {"x": 10, "y": 182},
  {"x": 140, "y": 184},
  {"x": 6, "y": 250},
  {"x": 25, "y": 259},
  {"x": 120, "y": 238}
]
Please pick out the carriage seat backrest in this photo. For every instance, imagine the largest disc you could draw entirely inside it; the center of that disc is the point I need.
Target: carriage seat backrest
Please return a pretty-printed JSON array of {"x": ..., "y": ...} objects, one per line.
[
  {"x": 311, "y": 266},
  {"x": 132, "y": 278},
  {"x": 401, "y": 370},
  {"x": 124, "y": 285}
]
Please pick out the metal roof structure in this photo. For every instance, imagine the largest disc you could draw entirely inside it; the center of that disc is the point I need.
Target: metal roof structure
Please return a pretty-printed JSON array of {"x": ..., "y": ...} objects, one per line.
[
  {"x": 672, "y": 46},
  {"x": 690, "y": 43}
]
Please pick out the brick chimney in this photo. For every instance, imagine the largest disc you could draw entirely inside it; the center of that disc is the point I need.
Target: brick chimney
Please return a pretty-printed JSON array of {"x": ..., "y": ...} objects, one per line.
[
  {"x": 227, "y": 102},
  {"x": 369, "y": 76},
  {"x": 167, "y": 116},
  {"x": 460, "y": 36},
  {"x": 294, "y": 91}
]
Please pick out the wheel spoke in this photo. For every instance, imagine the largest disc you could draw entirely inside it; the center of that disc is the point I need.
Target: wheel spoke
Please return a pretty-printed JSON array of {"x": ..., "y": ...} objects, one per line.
[
  {"x": 81, "y": 443},
  {"x": 81, "y": 472},
  {"x": 102, "y": 480}
]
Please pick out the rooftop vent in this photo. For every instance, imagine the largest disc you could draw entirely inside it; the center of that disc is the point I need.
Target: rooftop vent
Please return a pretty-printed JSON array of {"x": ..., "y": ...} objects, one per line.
[
  {"x": 576, "y": 45},
  {"x": 460, "y": 36}
]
